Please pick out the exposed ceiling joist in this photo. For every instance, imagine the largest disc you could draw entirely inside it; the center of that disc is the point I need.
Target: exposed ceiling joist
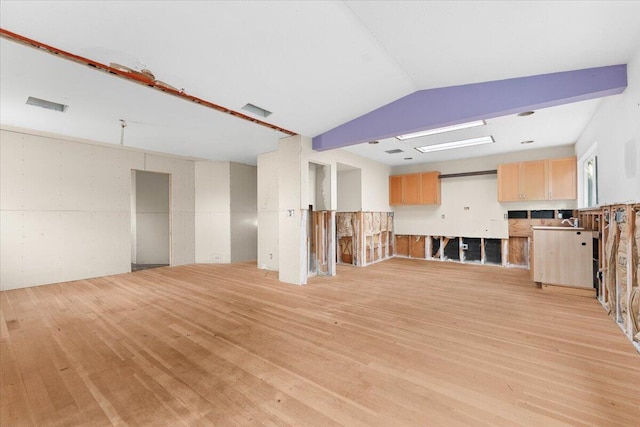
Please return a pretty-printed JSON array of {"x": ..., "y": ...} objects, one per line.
[{"x": 139, "y": 78}]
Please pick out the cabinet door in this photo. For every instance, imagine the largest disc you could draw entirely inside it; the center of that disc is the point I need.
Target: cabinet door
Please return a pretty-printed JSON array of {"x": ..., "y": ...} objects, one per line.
[
  {"x": 412, "y": 189},
  {"x": 533, "y": 180},
  {"x": 562, "y": 179},
  {"x": 509, "y": 182},
  {"x": 395, "y": 190},
  {"x": 430, "y": 188}
]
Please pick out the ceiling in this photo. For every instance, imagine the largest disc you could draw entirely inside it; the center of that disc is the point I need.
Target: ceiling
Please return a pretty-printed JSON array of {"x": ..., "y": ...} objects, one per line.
[{"x": 315, "y": 65}]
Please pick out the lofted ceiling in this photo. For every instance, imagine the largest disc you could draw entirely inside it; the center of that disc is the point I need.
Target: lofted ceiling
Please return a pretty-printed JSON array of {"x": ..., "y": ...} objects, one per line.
[{"x": 315, "y": 65}]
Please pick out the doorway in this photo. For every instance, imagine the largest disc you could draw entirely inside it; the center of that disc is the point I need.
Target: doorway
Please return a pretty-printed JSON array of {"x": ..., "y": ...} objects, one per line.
[{"x": 150, "y": 220}]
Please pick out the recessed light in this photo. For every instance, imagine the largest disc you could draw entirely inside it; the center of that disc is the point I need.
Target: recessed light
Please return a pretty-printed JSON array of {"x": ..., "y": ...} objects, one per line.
[
  {"x": 394, "y": 151},
  {"x": 530, "y": 141},
  {"x": 456, "y": 144},
  {"x": 526, "y": 113},
  {"x": 258, "y": 111},
  {"x": 408, "y": 158},
  {"x": 373, "y": 142},
  {"x": 442, "y": 130},
  {"x": 49, "y": 105}
]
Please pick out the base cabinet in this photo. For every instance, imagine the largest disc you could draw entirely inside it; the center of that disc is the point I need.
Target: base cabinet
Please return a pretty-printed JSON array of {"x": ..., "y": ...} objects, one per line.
[{"x": 563, "y": 256}]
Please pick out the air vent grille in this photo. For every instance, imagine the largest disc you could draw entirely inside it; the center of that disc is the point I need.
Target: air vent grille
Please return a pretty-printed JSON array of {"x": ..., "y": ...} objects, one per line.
[
  {"x": 49, "y": 105},
  {"x": 394, "y": 151}
]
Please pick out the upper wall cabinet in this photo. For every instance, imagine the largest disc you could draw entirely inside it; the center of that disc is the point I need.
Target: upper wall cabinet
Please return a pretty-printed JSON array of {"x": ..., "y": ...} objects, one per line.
[
  {"x": 562, "y": 179},
  {"x": 415, "y": 189},
  {"x": 552, "y": 179}
]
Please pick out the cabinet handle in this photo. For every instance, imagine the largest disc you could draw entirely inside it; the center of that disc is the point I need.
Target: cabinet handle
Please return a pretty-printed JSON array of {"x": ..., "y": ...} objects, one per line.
[{"x": 549, "y": 194}]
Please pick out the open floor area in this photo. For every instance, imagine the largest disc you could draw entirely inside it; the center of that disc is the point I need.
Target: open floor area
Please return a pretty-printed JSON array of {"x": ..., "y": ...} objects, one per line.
[{"x": 401, "y": 342}]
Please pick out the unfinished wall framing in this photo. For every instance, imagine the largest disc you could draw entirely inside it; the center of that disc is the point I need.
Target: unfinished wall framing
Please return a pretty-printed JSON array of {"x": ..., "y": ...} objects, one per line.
[
  {"x": 617, "y": 263},
  {"x": 321, "y": 243},
  {"x": 364, "y": 238},
  {"x": 479, "y": 250}
]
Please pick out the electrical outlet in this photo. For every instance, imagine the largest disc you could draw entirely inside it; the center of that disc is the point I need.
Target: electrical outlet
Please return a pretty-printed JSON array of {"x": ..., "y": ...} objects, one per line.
[
  {"x": 464, "y": 246},
  {"x": 270, "y": 255}
]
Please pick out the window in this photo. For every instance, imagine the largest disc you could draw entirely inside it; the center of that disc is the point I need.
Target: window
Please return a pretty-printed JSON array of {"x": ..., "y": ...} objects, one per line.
[
  {"x": 591, "y": 181},
  {"x": 588, "y": 178}
]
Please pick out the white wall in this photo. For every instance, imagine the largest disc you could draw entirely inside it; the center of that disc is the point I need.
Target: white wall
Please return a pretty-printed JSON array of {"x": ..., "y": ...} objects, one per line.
[
  {"x": 485, "y": 216},
  {"x": 615, "y": 127},
  {"x": 213, "y": 212},
  {"x": 374, "y": 177},
  {"x": 349, "y": 190},
  {"x": 293, "y": 202},
  {"x": 268, "y": 211},
  {"x": 65, "y": 209},
  {"x": 152, "y": 217},
  {"x": 244, "y": 216}
]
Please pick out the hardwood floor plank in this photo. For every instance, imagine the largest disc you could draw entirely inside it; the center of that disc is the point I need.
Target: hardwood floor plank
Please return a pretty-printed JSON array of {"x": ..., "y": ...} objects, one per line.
[{"x": 401, "y": 342}]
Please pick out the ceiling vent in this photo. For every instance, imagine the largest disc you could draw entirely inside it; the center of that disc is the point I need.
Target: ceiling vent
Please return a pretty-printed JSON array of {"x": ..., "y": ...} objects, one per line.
[
  {"x": 256, "y": 110},
  {"x": 394, "y": 151},
  {"x": 37, "y": 102}
]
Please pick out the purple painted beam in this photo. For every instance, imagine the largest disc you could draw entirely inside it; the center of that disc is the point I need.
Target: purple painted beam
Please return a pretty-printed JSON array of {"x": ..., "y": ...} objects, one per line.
[{"x": 434, "y": 108}]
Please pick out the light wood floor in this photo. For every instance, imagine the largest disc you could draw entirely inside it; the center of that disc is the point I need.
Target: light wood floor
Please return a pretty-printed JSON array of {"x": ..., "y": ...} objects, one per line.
[{"x": 403, "y": 342}]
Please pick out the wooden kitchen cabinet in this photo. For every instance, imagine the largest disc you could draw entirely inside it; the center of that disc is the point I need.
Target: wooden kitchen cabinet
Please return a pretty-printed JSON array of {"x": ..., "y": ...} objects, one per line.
[
  {"x": 414, "y": 189},
  {"x": 395, "y": 190},
  {"x": 563, "y": 256},
  {"x": 551, "y": 179},
  {"x": 533, "y": 180},
  {"x": 562, "y": 179},
  {"x": 522, "y": 181},
  {"x": 509, "y": 182},
  {"x": 430, "y": 188}
]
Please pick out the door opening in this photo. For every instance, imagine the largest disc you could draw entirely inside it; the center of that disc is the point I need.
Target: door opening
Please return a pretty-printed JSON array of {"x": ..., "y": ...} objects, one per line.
[{"x": 150, "y": 220}]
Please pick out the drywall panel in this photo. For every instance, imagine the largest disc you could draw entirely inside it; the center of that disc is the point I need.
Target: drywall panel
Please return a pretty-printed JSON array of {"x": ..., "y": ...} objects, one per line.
[
  {"x": 182, "y": 204},
  {"x": 244, "y": 212},
  {"x": 65, "y": 208},
  {"x": 182, "y": 238},
  {"x": 268, "y": 211},
  {"x": 39, "y": 247},
  {"x": 292, "y": 178},
  {"x": 212, "y": 188},
  {"x": 268, "y": 241},
  {"x": 244, "y": 236},
  {"x": 349, "y": 188},
  {"x": 268, "y": 178},
  {"x": 469, "y": 205},
  {"x": 31, "y": 248},
  {"x": 213, "y": 239},
  {"x": 312, "y": 185},
  {"x": 615, "y": 127},
  {"x": 31, "y": 172},
  {"x": 212, "y": 218}
]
